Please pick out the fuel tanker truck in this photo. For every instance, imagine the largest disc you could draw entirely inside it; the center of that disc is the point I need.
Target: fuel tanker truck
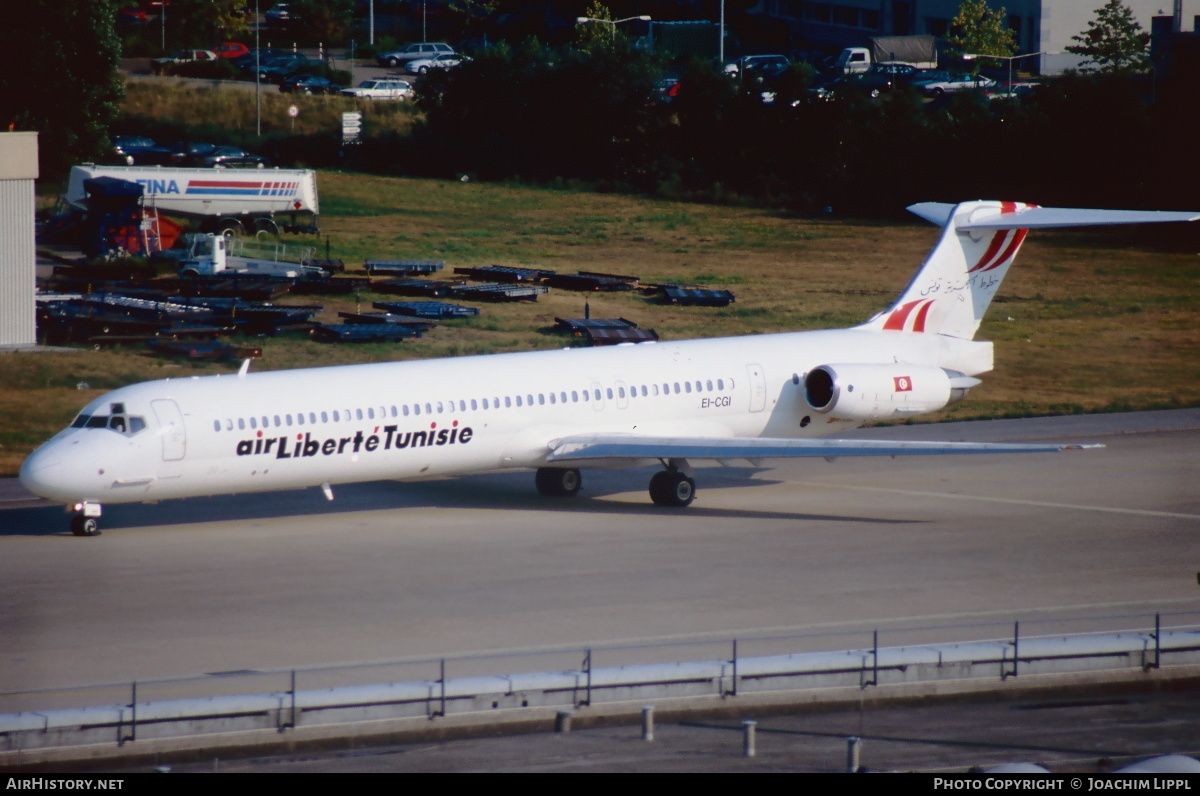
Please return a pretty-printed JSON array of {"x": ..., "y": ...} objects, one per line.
[{"x": 230, "y": 201}]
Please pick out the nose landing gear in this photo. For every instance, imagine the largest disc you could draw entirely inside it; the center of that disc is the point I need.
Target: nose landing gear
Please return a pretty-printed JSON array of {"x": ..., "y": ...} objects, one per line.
[{"x": 86, "y": 521}]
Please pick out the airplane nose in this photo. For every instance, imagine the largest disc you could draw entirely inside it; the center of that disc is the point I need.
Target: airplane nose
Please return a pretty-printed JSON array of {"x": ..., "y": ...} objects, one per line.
[{"x": 41, "y": 472}]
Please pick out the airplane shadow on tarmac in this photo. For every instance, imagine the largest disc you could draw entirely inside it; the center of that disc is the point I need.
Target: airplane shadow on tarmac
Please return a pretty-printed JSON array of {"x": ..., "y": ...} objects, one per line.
[{"x": 509, "y": 491}]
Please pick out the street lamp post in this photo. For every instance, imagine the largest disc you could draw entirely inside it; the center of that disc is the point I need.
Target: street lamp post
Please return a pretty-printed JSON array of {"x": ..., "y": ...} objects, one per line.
[
  {"x": 611, "y": 22},
  {"x": 257, "y": 73}
]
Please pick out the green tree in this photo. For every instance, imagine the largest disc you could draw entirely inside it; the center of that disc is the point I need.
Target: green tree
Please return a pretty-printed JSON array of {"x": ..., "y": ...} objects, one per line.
[
  {"x": 592, "y": 36},
  {"x": 324, "y": 21},
  {"x": 978, "y": 30},
  {"x": 1114, "y": 42},
  {"x": 199, "y": 23},
  {"x": 67, "y": 88},
  {"x": 472, "y": 10}
]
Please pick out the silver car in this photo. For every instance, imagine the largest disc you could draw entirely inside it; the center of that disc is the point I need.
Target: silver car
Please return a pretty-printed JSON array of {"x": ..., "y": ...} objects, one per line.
[
  {"x": 960, "y": 82},
  {"x": 413, "y": 52},
  {"x": 385, "y": 88},
  {"x": 419, "y": 66}
]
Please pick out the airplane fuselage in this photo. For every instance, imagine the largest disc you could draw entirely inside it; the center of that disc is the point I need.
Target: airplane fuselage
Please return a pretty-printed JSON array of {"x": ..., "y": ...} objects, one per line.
[{"x": 300, "y": 428}]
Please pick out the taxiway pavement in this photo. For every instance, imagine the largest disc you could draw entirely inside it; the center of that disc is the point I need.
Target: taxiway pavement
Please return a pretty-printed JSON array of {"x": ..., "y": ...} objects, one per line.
[{"x": 450, "y": 566}]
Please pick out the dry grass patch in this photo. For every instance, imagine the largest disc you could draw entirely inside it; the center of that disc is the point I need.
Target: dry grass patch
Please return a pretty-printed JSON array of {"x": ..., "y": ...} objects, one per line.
[{"x": 187, "y": 103}]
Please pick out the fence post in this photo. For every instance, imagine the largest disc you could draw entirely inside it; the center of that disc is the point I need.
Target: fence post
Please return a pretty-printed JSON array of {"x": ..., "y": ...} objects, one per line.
[
  {"x": 874, "y": 662},
  {"x": 748, "y": 738},
  {"x": 133, "y": 723},
  {"x": 1016, "y": 653},
  {"x": 292, "y": 699},
  {"x": 734, "y": 683},
  {"x": 587, "y": 667},
  {"x": 648, "y": 723},
  {"x": 853, "y": 752},
  {"x": 1157, "y": 644}
]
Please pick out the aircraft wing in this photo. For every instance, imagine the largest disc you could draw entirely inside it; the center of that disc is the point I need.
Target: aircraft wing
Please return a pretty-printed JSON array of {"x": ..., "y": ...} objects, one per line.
[
  {"x": 1032, "y": 217},
  {"x": 587, "y": 447}
]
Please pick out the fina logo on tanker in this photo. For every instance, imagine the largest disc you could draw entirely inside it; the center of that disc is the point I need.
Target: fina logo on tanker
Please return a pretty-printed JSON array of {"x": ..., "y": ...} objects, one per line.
[
  {"x": 163, "y": 187},
  {"x": 303, "y": 446}
]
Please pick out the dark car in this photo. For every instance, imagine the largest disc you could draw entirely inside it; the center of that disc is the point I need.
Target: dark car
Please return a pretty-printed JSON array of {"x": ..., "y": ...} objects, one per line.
[
  {"x": 137, "y": 150},
  {"x": 190, "y": 153},
  {"x": 283, "y": 66},
  {"x": 232, "y": 157},
  {"x": 868, "y": 84},
  {"x": 309, "y": 84},
  {"x": 245, "y": 63}
]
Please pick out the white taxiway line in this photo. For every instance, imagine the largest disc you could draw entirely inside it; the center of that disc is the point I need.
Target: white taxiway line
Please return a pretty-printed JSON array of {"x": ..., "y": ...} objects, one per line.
[{"x": 1017, "y": 501}]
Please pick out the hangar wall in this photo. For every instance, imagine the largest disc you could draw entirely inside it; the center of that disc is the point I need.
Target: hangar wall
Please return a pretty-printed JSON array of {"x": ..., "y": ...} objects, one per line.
[{"x": 18, "y": 170}]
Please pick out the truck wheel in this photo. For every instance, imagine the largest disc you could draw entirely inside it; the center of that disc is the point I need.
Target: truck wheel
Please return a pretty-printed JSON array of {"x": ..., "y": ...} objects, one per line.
[
  {"x": 265, "y": 225},
  {"x": 230, "y": 227}
]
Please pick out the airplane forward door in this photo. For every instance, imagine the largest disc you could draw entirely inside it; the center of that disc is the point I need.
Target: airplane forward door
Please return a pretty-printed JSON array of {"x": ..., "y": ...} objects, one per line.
[
  {"x": 170, "y": 429},
  {"x": 758, "y": 387}
]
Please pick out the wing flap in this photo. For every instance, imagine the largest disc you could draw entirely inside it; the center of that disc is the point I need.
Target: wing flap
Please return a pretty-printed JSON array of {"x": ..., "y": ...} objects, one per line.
[{"x": 621, "y": 446}]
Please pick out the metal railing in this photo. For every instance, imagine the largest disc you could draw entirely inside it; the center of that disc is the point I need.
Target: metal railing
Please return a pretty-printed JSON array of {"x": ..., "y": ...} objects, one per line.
[{"x": 507, "y": 683}]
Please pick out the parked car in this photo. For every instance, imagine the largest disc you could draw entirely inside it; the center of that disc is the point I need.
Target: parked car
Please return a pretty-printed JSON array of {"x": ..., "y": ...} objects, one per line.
[
  {"x": 158, "y": 65},
  {"x": 282, "y": 66},
  {"x": 245, "y": 63},
  {"x": 279, "y": 14},
  {"x": 759, "y": 65},
  {"x": 387, "y": 88},
  {"x": 231, "y": 49},
  {"x": 871, "y": 84},
  {"x": 419, "y": 66},
  {"x": 231, "y": 156},
  {"x": 900, "y": 73},
  {"x": 132, "y": 16},
  {"x": 190, "y": 153},
  {"x": 309, "y": 84},
  {"x": 667, "y": 89},
  {"x": 958, "y": 82},
  {"x": 140, "y": 151},
  {"x": 412, "y": 52}
]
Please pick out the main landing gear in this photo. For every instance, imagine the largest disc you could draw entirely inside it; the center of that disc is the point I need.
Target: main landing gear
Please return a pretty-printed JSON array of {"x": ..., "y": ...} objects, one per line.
[
  {"x": 670, "y": 487},
  {"x": 86, "y": 521},
  {"x": 557, "y": 482},
  {"x": 673, "y": 486}
]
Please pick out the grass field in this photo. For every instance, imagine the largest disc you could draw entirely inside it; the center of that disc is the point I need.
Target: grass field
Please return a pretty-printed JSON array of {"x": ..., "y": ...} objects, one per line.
[{"x": 1086, "y": 321}]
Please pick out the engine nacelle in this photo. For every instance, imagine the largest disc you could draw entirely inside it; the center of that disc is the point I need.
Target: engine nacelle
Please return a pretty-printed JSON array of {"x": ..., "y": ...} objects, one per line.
[{"x": 879, "y": 392}]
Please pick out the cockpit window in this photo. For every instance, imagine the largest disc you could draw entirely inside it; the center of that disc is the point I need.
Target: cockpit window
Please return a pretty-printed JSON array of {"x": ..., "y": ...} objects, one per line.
[{"x": 118, "y": 422}]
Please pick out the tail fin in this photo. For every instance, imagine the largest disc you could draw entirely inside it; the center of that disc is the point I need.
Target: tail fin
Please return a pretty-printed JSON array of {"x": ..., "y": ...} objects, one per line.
[{"x": 959, "y": 278}]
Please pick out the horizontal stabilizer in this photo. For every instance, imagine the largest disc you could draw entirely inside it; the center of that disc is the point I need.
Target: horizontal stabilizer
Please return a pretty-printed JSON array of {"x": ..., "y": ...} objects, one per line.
[
  {"x": 622, "y": 446},
  {"x": 1033, "y": 217}
]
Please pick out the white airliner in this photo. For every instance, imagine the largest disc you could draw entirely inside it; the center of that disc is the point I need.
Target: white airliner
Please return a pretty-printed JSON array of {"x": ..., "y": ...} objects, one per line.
[{"x": 754, "y": 398}]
